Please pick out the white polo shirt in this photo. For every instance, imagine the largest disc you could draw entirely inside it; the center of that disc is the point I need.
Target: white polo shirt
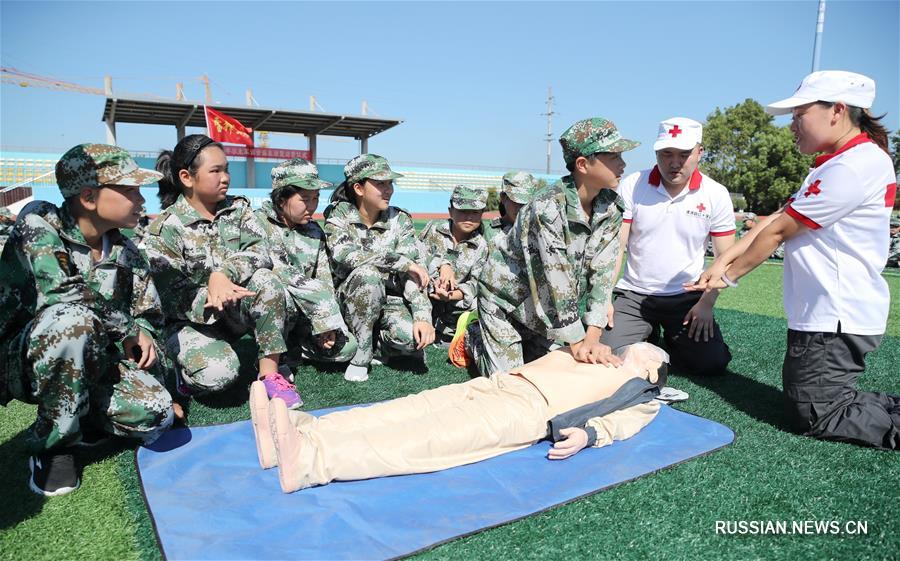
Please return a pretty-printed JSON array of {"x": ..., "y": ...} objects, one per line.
[
  {"x": 668, "y": 235},
  {"x": 832, "y": 272}
]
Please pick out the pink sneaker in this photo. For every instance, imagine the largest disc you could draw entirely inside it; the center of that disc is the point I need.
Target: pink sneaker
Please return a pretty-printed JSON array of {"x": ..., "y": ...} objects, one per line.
[
  {"x": 277, "y": 386},
  {"x": 259, "y": 415},
  {"x": 288, "y": 444}
]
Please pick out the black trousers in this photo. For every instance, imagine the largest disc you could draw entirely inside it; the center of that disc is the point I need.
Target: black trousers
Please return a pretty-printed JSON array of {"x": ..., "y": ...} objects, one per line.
[
  {"x": 639, "y": 317},
  {"x": 819, "y": 376}
]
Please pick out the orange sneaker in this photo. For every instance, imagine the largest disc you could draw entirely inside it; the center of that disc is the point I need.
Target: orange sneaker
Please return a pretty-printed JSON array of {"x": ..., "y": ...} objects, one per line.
[{"x": 457, "y": 351}]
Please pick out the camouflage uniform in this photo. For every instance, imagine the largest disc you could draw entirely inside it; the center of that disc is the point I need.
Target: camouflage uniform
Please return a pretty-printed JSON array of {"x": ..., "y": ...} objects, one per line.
[
  {"x": 184, "y": 249},
  {"x": 63, "y": 317},
  {"x": 555, "y": 255},
  {"x": 466, "y": 258},
  {"x": 6, "y": 225},
  {"x": 518, "y": 186},
  {"x": 894, "y": 250},
  {"x": 369, "y": 267},
  {"x": 301, "y": 263}
]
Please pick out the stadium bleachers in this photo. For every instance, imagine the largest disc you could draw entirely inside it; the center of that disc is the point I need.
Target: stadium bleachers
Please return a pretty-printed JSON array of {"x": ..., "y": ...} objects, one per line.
[
  {"x": 17, "y": 169},
  {"x": 422, "y": 189}
]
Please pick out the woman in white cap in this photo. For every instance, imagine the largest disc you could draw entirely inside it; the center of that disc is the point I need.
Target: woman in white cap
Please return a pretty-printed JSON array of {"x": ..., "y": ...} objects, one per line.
[{"x": 835, "y": 229}]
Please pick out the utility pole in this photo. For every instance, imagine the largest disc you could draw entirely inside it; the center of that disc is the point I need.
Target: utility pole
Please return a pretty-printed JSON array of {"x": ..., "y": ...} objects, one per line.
[
  {"x": 820, "y": 27},
  {"x": 550, "y": 113}
]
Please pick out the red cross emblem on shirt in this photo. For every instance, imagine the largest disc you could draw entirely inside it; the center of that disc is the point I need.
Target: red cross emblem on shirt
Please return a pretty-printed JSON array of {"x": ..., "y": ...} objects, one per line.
[
  {"x": 701, "y": 207},
  {"x": 675, "y": 131},
  {"x": 813, "y": 189}
]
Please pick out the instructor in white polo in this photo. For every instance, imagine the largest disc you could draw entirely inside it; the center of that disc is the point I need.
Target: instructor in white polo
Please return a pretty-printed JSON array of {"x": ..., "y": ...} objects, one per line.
[
  {"x": 835, "y": 230},
  {"x": 670, "y": 212}
]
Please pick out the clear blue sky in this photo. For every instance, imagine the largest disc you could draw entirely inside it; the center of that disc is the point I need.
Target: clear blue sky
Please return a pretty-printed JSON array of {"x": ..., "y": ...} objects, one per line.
[{"x": 469, "y": 79}]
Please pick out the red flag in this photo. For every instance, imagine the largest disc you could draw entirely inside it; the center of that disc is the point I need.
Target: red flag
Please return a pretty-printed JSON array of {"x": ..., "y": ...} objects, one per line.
[{"x": 223, "y": 128}]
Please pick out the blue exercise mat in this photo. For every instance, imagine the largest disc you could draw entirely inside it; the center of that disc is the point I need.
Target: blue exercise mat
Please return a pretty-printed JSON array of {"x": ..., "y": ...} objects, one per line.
[{"x": 209, "y": 499}]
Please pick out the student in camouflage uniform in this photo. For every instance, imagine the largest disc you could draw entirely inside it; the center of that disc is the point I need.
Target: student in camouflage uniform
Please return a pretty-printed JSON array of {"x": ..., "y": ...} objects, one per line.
[
  {"x": 377, "y": 266},
  {"x": 78, "y": 316},
  {"x": 457, "y": 249},
  {"x": 208, "y": 256},
  {"x": 297, "y": 248},
  {"x": 562, "y": 248},
  {"x": 516, "y": 191},
  {"x": 893, "y": 259},
  {"x": 6, "y": 225}
]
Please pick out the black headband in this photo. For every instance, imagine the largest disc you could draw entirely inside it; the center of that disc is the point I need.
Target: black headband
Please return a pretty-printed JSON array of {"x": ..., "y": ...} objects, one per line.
[{"x": 196, "y": 147}]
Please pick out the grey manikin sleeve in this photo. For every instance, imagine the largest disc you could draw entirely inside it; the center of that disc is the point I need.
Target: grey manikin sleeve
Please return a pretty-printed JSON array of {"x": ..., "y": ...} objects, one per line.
[
  {"x": 621, "y": 424},
  {"x": 632, "y": 392}
]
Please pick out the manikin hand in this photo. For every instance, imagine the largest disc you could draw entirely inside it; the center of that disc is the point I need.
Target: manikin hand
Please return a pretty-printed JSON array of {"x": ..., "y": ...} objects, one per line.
[{"x": 575, "y": 441}]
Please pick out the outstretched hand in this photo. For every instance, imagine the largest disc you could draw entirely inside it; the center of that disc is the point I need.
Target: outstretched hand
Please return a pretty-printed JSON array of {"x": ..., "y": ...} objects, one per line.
[
  {"x": 575, "y": 440},
  {"x": 221, "y": 292},
  {"x": 709, "y": 279}
]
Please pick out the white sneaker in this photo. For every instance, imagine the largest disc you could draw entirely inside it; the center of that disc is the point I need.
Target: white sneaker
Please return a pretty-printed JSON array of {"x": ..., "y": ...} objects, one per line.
[
  {"x": 356, "y": 373},
  {"x": 671, "y": 395}
]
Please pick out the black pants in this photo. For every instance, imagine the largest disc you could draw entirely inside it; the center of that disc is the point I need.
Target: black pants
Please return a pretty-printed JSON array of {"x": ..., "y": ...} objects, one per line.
[
  {"x": 819, "y": 375},
  {"x": 639, "y": 317}
]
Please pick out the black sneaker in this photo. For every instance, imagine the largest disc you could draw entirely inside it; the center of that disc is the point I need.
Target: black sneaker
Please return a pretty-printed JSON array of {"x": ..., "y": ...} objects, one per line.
[
  {"x": 92, "y": 438},
  {"x": 53, "y": 473}
]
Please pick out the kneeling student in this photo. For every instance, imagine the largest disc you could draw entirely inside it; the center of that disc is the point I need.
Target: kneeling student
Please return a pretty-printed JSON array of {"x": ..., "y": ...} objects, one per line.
[
  {"x": 297, "y": 248},
  {"x": 208, "y": 256},
  {"x": 457, "y": 249},
  {"x": 78, "y": 316},
  {"x": 377, "y": 266},
  {"x": 576, "y": 404},
  {"x": 516, "y": 192}
]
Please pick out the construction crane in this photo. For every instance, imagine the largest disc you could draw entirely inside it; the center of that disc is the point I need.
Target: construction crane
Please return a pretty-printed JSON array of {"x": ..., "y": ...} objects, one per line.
[{"x": 15, "y": 76}]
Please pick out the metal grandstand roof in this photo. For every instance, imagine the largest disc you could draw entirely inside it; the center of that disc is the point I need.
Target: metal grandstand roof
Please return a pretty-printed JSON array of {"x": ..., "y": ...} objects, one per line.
[{"x": 187, "y": 113}]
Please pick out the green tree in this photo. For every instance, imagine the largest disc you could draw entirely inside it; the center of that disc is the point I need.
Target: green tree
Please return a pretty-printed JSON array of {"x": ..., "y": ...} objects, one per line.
[{"x": 748, "y": 154}]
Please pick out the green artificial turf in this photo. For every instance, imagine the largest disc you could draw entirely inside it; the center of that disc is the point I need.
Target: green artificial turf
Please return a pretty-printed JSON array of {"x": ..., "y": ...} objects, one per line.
[{"x": 768, "y": 474}]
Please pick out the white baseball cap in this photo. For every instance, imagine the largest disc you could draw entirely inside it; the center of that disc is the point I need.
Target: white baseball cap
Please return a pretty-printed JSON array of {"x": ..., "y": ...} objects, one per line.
[
  {"x": 680, "y": 133},
  {"x": 829, "y": 85}
]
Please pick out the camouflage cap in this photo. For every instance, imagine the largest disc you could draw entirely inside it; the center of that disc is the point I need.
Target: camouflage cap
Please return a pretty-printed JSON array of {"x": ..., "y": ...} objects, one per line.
[
  {"x": 590, "y": 136},
  {"x": 96, "y": 165},
  {"x": 368, "y": 166},
  {"x": 465, "y": 197},
  {"x": 519, "y": 186},
  {"x": 299, "y": 173}
]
